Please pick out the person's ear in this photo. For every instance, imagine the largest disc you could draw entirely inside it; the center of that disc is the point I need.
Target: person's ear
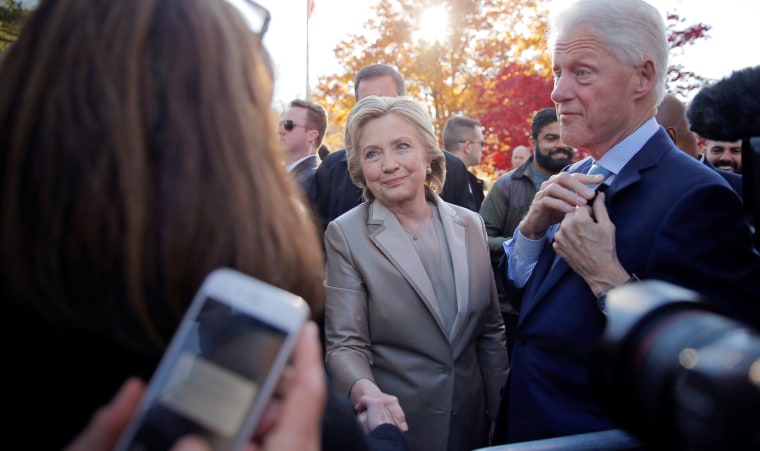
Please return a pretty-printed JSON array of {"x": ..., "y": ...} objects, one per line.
[
  {"x": 673, "y": 133},
  {"x": 646, "y": 76}
]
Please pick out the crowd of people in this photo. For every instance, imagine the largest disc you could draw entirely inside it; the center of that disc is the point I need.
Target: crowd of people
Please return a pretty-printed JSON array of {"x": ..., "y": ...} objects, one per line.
[{"x": 139, "y": 151}]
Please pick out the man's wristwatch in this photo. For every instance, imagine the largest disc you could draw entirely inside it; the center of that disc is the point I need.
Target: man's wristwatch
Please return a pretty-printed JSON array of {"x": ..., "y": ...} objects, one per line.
[{"x": 601, "y": 297}]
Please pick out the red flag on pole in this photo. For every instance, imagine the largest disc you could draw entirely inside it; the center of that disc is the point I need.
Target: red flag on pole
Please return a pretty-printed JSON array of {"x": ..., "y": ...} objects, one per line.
[{"x": 310, "y": 4}]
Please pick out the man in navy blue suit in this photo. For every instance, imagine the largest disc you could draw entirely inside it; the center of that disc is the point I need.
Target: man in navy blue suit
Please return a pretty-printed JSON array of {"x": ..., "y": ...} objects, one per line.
[{"x": 657, "y": 214}]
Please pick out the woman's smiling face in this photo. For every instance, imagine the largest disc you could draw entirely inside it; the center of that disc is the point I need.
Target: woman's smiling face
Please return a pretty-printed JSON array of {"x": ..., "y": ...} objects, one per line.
[{"x": 393, "y": 161}]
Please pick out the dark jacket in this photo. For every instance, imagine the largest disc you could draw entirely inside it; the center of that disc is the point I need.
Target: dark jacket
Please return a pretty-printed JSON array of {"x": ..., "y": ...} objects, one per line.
[
  {"x": 476, "y": 189},
  {"x": 305, "y": 171}
]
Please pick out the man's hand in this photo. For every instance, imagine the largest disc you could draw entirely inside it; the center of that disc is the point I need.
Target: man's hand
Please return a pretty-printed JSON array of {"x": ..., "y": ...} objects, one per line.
[
  {"x": 559, "y": 195},
  {"x": 586, "y": 241}
]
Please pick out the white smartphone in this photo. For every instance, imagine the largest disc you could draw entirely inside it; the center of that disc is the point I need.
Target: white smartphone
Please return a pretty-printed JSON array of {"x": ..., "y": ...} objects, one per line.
[{"x": 221, "y": 367}]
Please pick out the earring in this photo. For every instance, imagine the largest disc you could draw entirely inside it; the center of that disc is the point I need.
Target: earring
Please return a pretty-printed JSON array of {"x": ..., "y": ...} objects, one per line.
[{"x": 429, "y": 170}]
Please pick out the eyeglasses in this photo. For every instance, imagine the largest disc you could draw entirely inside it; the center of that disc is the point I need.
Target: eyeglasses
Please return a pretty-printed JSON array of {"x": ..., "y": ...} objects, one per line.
[
  {"x": 254, "y": 15},
  {"x": 482, "y": 143},
  {"x": 289, "y": 125}
]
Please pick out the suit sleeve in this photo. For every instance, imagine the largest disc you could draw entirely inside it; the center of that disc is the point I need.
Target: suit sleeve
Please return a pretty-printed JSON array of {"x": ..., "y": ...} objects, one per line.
[
  {"x": 347, "y": 338},
  {"x": 387, "y": 437}
]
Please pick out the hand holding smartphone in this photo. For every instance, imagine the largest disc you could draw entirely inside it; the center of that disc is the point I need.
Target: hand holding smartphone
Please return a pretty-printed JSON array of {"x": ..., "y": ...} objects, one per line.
[{"x": 221, "y": 367}]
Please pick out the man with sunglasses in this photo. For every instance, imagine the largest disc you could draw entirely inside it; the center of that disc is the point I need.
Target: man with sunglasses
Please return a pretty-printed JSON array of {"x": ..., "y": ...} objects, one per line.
[
  {"x": 301, "y": 132},
  {"x": 333, "y": 191}
]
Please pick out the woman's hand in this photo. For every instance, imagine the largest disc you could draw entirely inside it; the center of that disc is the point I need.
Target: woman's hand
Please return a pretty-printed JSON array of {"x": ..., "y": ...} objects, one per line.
[
  {"x": 373, "y": 412},
  {"x": 376, "y": 407},
  {"x": 108, "y": 423}
]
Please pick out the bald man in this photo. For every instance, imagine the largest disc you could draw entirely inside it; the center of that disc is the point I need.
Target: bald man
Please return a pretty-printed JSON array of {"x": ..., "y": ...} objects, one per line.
[
  {"x": 519, "y": 155},
  {"x": 671, "y": 114}
]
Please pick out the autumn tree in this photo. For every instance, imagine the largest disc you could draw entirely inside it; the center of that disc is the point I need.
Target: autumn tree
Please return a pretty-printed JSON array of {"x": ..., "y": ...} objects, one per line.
[
  {"x": 443, "y": 72},
  {"x": 681, "y": 82},
  {"x": 506, "y": 117}
]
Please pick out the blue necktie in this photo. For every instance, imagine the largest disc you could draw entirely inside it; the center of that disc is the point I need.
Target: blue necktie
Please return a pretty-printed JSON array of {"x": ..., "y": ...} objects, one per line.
[{"x": 597, "y": 168}]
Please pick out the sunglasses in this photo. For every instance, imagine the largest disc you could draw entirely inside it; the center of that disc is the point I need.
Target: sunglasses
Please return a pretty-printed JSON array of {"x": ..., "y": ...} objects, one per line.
[
  {"x": 289, "y": 125},
  {"x": 254, "y": 15}
]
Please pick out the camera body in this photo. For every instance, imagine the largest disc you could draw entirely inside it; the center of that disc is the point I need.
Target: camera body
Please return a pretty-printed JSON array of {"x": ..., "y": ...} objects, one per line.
[{"x": 675, "y": 372}]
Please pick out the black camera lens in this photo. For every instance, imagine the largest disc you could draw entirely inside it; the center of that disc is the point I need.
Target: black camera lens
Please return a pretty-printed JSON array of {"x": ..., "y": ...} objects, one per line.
[{"x": 675, "y": 372}]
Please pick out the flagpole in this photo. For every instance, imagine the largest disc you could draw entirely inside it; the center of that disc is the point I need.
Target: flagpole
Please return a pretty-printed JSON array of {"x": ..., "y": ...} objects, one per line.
[{"x": 308, "y": 11}]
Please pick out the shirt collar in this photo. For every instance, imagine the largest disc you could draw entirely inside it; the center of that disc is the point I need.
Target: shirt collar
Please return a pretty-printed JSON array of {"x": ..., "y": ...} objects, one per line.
[
  {"x": 621, "y": 153},
  {"x": 292, "y": 165}
]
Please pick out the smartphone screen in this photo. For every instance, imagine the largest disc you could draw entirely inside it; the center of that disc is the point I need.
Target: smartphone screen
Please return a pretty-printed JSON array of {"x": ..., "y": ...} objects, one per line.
[{"x": 214, "y": 376}]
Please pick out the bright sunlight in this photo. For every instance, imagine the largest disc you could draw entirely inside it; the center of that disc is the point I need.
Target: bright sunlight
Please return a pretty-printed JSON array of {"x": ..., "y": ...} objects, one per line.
[{"x": 433, "y": 25}]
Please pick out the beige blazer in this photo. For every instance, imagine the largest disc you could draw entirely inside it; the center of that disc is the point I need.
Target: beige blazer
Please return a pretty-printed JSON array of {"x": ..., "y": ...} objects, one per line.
[{"x": 382, "y": 323}]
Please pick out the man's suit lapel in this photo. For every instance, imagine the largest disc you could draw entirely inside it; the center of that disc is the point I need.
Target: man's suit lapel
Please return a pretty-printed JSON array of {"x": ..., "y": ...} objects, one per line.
[
  {"x": 545, "y": 275},
  {"x": 389, "y": 237}
]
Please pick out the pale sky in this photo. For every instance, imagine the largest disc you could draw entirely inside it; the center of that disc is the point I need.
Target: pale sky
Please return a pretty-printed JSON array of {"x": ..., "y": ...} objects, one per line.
[{"x": 732, "y": 45}]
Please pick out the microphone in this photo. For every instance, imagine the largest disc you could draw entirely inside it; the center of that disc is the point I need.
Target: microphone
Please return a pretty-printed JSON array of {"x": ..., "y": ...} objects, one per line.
[{"x": 730, "y": 109}]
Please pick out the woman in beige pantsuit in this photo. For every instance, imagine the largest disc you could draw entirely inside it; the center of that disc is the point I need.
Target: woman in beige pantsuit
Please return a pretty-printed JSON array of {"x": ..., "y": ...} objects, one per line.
[{"x": 412, "y": 314}]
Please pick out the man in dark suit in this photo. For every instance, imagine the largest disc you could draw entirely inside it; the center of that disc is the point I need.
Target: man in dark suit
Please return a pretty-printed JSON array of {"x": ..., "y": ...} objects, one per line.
[
  {"x": 658, "y": 214},
  {"x": 671, "y": 114},
  {"x": 463, "y": 137},
  {"x": 333, "y": 191},
  {"x": 301, "y": 131}
]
